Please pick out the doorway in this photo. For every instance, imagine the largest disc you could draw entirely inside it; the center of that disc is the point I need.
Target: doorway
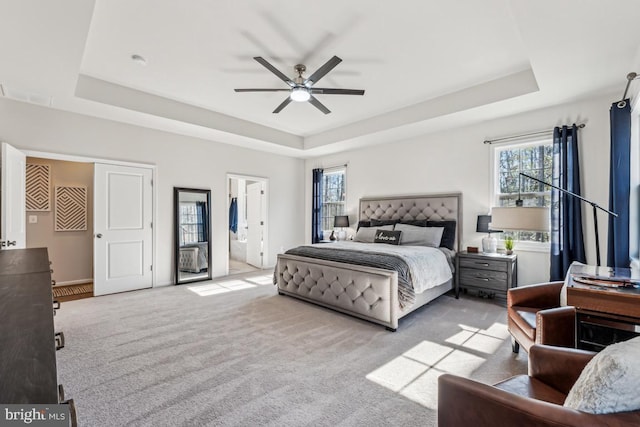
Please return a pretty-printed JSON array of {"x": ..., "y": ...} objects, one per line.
[
  {"x": 59, "y": 217},
  {"x": 117, "y": 199},
  {"x": 247, "y": 223}
]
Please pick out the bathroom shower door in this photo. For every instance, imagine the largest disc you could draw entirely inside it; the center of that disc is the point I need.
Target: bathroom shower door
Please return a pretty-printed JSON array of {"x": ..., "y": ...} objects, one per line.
[{"x": 256, "y": 208}]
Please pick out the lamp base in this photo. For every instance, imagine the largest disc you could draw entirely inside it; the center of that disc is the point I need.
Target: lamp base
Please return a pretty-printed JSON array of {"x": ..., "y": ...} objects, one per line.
[{"x": 489, "y": 245}]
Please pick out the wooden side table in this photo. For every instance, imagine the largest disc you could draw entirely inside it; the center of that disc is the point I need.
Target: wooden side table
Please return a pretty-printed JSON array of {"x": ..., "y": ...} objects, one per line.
[
  {"x": 489, "y": 274},
  {"x": 604, "y": 315}
]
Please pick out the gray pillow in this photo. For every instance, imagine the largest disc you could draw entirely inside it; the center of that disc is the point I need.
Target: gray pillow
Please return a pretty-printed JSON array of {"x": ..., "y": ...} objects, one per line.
[
  {"x": 368, "y": 234},
  {"x": 420, "y": 236},
  {"x": 609, "y": 382}
]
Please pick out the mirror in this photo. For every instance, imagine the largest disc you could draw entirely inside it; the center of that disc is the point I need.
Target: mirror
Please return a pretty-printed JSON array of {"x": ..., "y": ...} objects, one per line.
[{"x": 192, "y": 234}]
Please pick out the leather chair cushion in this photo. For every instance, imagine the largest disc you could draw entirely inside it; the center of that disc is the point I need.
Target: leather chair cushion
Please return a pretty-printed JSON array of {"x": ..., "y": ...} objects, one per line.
[
  {"x": 525, "y": 319},
  {"x": 526, "y": 386}
]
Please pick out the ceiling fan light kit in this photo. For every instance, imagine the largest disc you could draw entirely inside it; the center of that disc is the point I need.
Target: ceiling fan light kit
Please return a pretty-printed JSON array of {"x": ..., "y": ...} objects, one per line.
[
  {"x": 301, "y": 89},
  {"x": 300, "y": 94}
]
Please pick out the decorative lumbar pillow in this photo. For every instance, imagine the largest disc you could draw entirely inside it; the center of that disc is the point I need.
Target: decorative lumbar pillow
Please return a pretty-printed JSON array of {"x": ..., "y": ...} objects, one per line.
[
  {"x": 387, "y": 236},
  {"x": 420, "y": 236},
  {"x": 368, "y": 234},
  {"x": 609, "y": 382}
]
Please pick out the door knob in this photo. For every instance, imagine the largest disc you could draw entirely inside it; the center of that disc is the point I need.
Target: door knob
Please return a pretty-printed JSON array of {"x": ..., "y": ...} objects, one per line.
[
  {"x": 11, "y": 243},
  {"x": 99, "y": 236}
]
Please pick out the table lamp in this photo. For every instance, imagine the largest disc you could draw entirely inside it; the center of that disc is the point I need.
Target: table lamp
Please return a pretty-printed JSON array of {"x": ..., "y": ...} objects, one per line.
[
  {"x": 341, "y": 221},
  {"x": 489, "y": 243}
]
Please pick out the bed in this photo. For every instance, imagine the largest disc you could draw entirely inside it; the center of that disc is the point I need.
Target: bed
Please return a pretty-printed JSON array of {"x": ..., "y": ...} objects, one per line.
[
  {"x": 364, "y": 291},
  {"x": 194, "y": 257}
]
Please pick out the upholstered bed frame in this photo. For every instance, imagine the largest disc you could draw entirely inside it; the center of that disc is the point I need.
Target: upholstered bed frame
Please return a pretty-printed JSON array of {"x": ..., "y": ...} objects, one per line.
[{"x": 366, "y": 292}]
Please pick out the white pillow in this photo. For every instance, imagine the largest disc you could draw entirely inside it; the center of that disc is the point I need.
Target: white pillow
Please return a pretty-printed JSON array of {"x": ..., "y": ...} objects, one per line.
[
  {"x": 609, "y": 382},
  {"x": 368, "y": 234},
  {"x": 563, "y": 291},
  {"x": 420, "y": 236}
]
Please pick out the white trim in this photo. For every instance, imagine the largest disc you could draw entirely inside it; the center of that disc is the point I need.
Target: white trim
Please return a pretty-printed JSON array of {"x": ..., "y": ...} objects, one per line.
[
  {"x": 493, "y": 162},
  {"x": 335, "y": 169},
  {"x": 493, "y": 182},
  {"x": 247, "y": 177},
  {"x": 82, "y": 159},
  {"x": 265, "y": 247},
  {"x": 73, "y": 282},
  {"x": 526, "y": 246}
]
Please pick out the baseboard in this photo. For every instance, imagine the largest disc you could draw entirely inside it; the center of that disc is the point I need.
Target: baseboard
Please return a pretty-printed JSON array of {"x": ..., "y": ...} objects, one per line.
[{"x": 74, "y": 282}]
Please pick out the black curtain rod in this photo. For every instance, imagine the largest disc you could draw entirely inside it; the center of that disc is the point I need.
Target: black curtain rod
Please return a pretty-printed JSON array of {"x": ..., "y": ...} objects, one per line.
[
  {"x": 542, "y": 132},
  {"x": 623, "y": 103}
]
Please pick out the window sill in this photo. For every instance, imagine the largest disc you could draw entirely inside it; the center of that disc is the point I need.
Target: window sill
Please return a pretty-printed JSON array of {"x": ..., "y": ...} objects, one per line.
[{"x": 530, "y": 247}]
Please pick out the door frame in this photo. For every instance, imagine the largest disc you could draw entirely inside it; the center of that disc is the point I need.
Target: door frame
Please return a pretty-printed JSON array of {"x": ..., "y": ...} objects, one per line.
[
  {"x": 94, "y": 160},
  {"x": 265, "y": 241}
]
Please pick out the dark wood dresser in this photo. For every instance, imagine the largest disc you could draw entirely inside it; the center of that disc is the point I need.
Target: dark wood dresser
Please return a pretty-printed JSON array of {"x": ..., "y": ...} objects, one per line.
[
  {"x": 604, "y": 315},
  {"x": 28, "y": 341}
]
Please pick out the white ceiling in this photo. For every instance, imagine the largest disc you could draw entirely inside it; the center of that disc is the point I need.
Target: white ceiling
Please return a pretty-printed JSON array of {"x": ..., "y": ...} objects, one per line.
[{"x": 425, "y": 64}]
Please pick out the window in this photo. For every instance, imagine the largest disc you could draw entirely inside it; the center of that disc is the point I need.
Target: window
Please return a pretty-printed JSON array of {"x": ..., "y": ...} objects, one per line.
[
  {"x": 191, "y": 224},
  {"x": 534, "y": 159},
  {"x": 333, "y": 195}
]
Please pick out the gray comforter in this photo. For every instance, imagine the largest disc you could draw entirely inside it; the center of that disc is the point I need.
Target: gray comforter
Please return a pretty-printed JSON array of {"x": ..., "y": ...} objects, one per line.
[{"x": 405, "y": 261}]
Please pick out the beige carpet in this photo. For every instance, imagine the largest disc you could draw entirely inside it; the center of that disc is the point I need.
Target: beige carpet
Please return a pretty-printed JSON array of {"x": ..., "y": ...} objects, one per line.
[{"x": 234, "y": 353}]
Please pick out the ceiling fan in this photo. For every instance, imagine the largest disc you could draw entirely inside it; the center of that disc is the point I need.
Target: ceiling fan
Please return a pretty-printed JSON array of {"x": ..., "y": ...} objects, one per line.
[{"x": 301, "y": 89}]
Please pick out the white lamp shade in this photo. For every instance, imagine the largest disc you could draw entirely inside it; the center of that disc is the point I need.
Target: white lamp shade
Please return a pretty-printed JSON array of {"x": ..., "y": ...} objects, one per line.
[{"x": 520, "y": 218}]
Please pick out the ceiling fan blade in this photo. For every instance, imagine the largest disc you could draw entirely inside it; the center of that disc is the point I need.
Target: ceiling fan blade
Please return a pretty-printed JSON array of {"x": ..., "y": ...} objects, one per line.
[
  {"x": 327, "y": 91},
  {"x": 274, "y": 70},
  {"x": 319, "y": 105},
  {"x": 281, "y": 106},
  {"x": 262, "y": 90},
  {"x": 320, "y": 72}
]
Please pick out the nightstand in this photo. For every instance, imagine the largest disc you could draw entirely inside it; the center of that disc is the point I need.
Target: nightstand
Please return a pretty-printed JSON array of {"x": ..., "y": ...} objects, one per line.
[{"x": 488, "y": 274}]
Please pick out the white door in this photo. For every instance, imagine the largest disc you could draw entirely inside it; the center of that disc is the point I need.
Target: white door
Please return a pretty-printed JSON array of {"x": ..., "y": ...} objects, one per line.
[
  {"x": 13, "y": 234},
  {"x": 122, "y": 229},
  {"x": 255, "y": 224}
]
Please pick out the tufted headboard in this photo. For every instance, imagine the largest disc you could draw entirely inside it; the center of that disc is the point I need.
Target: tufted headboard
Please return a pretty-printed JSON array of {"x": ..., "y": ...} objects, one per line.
[{"x": 434, "y": 207}]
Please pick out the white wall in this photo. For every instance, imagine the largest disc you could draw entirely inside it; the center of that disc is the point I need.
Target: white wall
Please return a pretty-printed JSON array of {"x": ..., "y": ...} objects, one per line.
[
  {"x": 181, "y": 162},
  {"x": 458, "y": 160}
]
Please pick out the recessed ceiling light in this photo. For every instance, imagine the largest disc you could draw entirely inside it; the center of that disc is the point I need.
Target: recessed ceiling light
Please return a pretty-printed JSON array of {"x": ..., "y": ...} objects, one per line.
[{"x": 138, "y": 59}]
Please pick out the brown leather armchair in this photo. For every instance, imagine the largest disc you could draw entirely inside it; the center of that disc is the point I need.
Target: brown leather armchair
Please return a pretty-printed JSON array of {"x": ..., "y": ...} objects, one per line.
[
  {"x": 534, "y": 316},
  {"x": 525, "y": 400}
]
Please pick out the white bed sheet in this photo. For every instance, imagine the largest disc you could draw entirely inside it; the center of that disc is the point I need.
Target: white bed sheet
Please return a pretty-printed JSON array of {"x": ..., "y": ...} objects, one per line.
[{"x": 428, "y": 266}]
